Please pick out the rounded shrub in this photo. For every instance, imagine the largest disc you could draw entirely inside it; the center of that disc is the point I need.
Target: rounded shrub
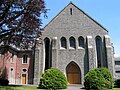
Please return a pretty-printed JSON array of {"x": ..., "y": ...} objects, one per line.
[
  {"x": 98, "y": 78},
  {"x": 53, "y": 79},
  {"x": 4, "y": 82}
]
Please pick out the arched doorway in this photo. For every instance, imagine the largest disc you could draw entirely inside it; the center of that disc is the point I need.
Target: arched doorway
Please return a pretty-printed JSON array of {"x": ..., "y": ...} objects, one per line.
[{"x": 73, "y": 73}]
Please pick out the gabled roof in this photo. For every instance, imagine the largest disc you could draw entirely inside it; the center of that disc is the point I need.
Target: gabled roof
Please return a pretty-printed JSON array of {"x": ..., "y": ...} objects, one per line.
[{"x": 82, "y": 12}]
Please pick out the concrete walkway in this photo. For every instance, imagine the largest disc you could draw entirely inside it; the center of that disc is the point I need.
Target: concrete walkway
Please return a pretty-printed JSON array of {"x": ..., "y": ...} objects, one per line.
[
  {"x": 75, "y": 87},
  {"x": 70, "y": 87}
]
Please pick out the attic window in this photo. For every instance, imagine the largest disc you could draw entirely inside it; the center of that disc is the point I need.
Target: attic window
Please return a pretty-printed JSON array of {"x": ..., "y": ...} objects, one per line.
[{"x": 70, "y": 11}]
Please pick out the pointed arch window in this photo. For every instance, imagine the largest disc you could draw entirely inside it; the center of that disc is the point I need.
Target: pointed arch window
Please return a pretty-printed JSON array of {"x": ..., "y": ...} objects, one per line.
[
  {"x": 81, "y": 41},
  {"x": 47, "y": 53},
  {"x": 63, "y": 42},
  {"x": 71, "y": 11},
  {"x": 72, "y": 42},
  {"x": 99, "y": 50}
]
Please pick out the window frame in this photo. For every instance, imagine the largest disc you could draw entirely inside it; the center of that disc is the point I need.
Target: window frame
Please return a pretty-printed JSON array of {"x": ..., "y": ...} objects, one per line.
[
  {"x": 24, "y": 61},
  {"x": 63, "y": 43},
  {"x": 81, "y": 42},
  {"x": 72, "y": 43}
]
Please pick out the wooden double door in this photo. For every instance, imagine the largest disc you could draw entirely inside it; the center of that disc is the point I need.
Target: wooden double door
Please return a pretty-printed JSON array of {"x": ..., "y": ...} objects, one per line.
[{"x": 73, "y": 74}]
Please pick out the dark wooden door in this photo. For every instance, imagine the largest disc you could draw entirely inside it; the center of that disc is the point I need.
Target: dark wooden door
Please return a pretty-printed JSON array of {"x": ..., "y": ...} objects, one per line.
[{"x": 73, "y": 74}]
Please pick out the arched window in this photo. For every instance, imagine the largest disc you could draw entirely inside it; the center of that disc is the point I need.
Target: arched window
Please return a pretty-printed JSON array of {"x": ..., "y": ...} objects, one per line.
[
  {"x": 71, "y": 11},
  {"x": 99, "y": 48},
  {"x": 81, "y": 41},
  {"x": 63, "y": 42},
  {"x": 72, "y": 42},
  {"x": 47, "y": 53}
]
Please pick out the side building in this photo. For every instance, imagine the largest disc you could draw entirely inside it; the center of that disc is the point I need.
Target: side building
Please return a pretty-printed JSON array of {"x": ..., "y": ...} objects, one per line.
[
  {"x": 16, "y": 65},
  {"x": 117, "y": 67}
]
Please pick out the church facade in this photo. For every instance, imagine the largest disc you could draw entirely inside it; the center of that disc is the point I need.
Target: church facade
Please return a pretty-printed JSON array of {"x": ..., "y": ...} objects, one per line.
[{"x": 72, "y": 42}]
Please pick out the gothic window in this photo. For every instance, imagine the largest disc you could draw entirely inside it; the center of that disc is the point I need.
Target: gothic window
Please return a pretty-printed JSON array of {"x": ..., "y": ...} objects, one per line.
[
  {"x": 72, "y": 42},
  {"x": 48, "y": 60},
  {"x": 81, "y": 41},
  {"x": 25, "y": 59},
  {"x": 63, "y": 42},
  {"x": 70, "y": 11},
  {"x": 98, "y": 48}
]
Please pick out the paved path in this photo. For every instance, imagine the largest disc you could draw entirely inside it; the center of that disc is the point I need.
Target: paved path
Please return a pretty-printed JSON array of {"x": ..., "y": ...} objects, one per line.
[
  {"x": 70, "y": 87},
  {"x": 75, "y": 87}
]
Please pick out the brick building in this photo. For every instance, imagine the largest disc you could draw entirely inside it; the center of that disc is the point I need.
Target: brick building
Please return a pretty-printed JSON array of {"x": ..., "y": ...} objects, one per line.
[{"x": 17, "y": 65}]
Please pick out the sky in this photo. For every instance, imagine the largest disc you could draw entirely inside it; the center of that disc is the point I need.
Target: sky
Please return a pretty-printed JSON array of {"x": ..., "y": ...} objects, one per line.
[{"x": 105, "y": 12}]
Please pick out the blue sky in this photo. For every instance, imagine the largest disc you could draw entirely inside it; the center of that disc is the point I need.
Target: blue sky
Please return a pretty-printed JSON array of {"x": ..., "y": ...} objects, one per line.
[{"x": 106, "y": 12}]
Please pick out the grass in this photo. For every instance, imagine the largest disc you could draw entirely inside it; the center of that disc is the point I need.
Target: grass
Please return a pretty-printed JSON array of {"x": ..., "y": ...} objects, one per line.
[
  {"x": 116, "y": 89},
  {"x": 18, "y": 88},
  {"x": 28, "y": 88}
]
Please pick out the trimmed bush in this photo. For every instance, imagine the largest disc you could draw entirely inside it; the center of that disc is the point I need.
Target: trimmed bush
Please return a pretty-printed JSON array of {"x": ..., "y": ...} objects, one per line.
[
  {"x": 4, "y": 82},
  {"x": 98, "y": 78},
  {"x": 53, "y": 79}
]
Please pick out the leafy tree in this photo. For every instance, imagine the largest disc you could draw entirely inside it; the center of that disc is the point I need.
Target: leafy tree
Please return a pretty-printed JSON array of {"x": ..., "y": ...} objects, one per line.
[{"x": 20, "y": 21}]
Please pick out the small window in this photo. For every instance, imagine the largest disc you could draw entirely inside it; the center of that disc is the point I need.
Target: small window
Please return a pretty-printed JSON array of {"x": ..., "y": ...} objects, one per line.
[
  {"x": 81, "y": 41},
  {"x": 117, "y": 71},
  {"x": 24, "y": 60},
  {"x": 11, "y": 69},
  {"x": 70, "y": 11},
  {"x": 63, "y": 42},
  {"x": 117, "y": 62},
  {"x": 12, "y": 58},
  {"x": 72, "y": 42},
  {"x": 24, "y": 70}
]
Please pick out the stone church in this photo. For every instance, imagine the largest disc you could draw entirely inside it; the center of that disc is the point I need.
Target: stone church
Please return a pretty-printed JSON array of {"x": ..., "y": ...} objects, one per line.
[{"x": 72, "y": 42}]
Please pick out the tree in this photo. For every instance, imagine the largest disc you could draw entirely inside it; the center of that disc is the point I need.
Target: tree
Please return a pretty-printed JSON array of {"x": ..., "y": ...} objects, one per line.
[{"x": 20, "y": 21}]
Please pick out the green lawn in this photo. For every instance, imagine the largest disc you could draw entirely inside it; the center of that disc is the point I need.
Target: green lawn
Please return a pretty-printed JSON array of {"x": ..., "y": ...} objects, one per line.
[
  {"x": 18, "y": 88},
  {"x": 28, "y": 88},
  {"x": 116, "y": 89}
]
